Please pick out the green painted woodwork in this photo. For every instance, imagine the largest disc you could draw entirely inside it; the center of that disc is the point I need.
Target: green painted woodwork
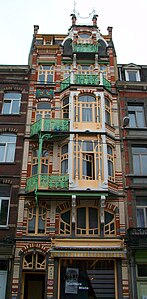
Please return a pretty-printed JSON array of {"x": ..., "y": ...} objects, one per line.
[
  {"x": 65, "y": 83},
  {"x": 87, "y": 79},
  {"x": 44, "y": 93},
  {"x": 82, "y": 194},
  {"x": 46, "y": 182},
  {"x": 86, "y": 48},
  {"x": 106, "y": 84},
  {"x": 48, "y": 125}
]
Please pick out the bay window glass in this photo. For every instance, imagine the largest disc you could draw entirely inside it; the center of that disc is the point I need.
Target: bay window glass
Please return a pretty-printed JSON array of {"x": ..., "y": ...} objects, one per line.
[
  {"x": 7, "y": 147},
  {"x": 110, "y": 158},
  {"x": 108, "y": 111},
  {"x": 139, "y": 160},
  {"x": 88, "y": 109},
  {"x": 64, "y": 159},
  {"x": 88, "y": 159},
  {"x": 65, "y": 107},
  {"x": 11, "y": 103},
  {"x": 136, "y": 116}
]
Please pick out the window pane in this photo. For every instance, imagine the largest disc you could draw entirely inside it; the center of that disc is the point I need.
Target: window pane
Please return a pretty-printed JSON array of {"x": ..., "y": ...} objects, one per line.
[
  {"x": 142, "y": 271},
  {"x": 132, "y": 75},
  {"x": 6, "y": 107},
  {"x": 87, "y": 114},
  {"x": 64, "y": 166},
  {"x": 136, "y": 164},
  {"x": 93, "y": 218},
  {"x": 132, "y": 121},
  {"x": 3, "y": 211},
  {"x": 41, "y": 225},
  {"x": 81, "y": 217},
  {"x": 15, "y": 107},
  {"x": 32, "y": 220},
  {"x": 2, "y": 152},
  {"x": 10, "y": 152},
  {"x": 140, "y": 218},
  {"x": 110, "y": 168},
  {"x": 140, "y": 119},
  {"x": 144, "y": 164}
]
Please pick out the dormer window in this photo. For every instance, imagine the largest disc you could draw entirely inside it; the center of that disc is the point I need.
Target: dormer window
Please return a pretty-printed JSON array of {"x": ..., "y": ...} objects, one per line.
[
  {"x": 84, "y": 35},
  {"x": 132, "y": 75}
]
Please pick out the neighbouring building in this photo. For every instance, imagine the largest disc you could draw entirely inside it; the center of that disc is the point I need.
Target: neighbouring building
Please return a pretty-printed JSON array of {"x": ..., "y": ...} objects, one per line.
[
  {"x": 14, "y": 86},
  {"x": 71, "y": 219},
  {"x": 132, "y": 94}
]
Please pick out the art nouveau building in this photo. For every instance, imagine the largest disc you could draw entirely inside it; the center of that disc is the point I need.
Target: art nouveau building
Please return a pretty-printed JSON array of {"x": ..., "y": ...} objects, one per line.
[{"x": 71, "y": 224}]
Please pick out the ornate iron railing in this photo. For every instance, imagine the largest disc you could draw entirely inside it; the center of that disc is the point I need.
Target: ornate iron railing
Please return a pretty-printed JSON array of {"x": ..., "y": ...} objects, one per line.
[
  {"x": 86, "y": 48},
  {"x": 86, "y": 79},
  {"x": 47, "y": 182},
  {"x": 48, "y": 125},
  {"x": 137, "y": 237},
  {"x": 65, "y": 83}
]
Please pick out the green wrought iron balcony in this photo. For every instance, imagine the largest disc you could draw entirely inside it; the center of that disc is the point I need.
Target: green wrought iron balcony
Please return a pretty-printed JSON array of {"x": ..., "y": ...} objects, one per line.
[
  {"x": 85, "y": 48},
  {"x": 86, "y": 79},
  {"x": 47, "y": 182},
  {"x": 49, "y": 125}
]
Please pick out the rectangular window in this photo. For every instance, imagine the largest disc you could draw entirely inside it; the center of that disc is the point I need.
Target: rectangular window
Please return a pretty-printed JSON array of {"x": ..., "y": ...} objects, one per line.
[
  {"x": 7, "y": 147},
  {"x": 132, "y": 75},
  {"x": 11, "y": 103},
  {"x": 46, "y": 74},
  {"x": 139, "y": 160},
  {"x": 4, "y": 204},
  {"x": 141, "y": 210},
  {"x": 136, "y": 116}
]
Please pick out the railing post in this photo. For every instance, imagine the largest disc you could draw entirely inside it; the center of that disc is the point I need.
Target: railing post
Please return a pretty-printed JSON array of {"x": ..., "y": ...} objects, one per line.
[
  {"x": 72, "y": 77},
  {"x": 101, "y": 79}
]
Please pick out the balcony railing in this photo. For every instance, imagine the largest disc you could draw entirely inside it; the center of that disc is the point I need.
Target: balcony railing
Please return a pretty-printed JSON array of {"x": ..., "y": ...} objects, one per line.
[
  {"x": 49, "y": 125},
  {"x": 86, "y": 48},
  {"x": 85, "y": 79},
  {"x": 137, "y": 236},
  {"x": 47, "y": 182}
]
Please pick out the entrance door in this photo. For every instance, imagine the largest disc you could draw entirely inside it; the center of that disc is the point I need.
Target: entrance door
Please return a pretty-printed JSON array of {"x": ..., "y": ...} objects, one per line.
[
  {"x": 34, "y": 286},
  {"x": 3, "y": 280}
]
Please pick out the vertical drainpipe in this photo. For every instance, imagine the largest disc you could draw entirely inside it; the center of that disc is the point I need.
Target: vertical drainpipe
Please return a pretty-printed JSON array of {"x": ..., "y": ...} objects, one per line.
[{"x": 39, "y": 164}]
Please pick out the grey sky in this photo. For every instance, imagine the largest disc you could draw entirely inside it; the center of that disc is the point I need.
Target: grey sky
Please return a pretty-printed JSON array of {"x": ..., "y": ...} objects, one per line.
[{"x": 127, "y": 17}]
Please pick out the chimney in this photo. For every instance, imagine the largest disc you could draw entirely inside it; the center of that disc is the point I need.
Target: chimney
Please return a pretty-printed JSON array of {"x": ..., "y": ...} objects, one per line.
[
  {"x": 73, "y": 19},
  {"x": 36, "y": 27},
  {"x": 94, "y": 19},
  {"x": 110, "y": 31}
]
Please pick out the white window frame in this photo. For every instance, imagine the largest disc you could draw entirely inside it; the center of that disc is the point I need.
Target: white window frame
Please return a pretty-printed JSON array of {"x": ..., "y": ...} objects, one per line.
[
  {"x": 132, "y": 70},
  {"x": 5, "y": 144},
  {"x": 11, "y": 101},
  {"x": 8, "y": 199}
]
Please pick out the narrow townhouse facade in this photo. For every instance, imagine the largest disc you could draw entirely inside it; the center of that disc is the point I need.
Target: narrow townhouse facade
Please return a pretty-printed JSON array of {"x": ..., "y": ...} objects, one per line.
[
  {"x": 71, "y": 220},
  {"x": 14, "y": 88},
  {"x": 132, "y": 97}
]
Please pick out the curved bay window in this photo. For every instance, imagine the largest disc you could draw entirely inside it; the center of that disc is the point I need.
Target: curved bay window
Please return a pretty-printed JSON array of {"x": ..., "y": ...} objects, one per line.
[
  {"x": 43, "y": 110},
  {"x": 108, "y": 112},
  {"x": 64, "y": 159},
  {"x": 36, "y": 220},
  {"x": 110, "y": 158},
  {"x": 87, "y": 222},
  {"x": 87, "y": 109},
  {"x": 88, "y": 159}
]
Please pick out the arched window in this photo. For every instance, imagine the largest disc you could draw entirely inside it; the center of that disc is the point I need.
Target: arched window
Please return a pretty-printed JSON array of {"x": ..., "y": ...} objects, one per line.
[
  {"x": 87, "y": 109},
  {"x": 43, "y": 110},
  {"x": 87, "y": 222},
  {"x": 67, "y": 47},
  {"x": 7, "y": 147},
  {"x": 64, "y": 159},
  {"x": 110, "y": 158},
  {"x": 37, "y": 220},
  {"x": 34, "y": 261},
  {"x": 109, "y": 226}
]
